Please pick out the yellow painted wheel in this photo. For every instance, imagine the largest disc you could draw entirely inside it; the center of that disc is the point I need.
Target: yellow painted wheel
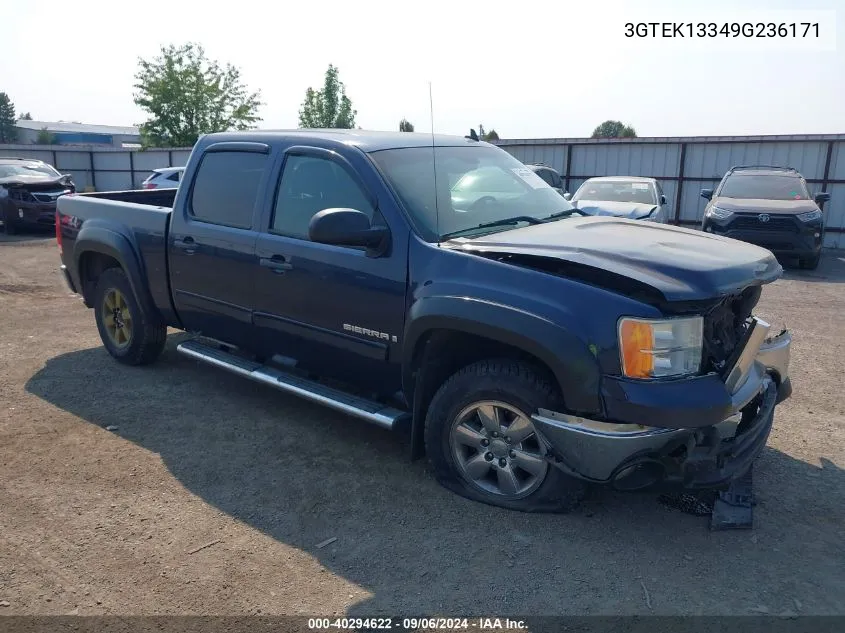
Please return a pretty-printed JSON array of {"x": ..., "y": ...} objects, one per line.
[{"x": 117, "y": 318}]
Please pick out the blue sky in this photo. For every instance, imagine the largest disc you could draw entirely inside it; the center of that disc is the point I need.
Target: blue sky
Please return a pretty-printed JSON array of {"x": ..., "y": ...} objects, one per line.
[{"x": 528, "y": 69}]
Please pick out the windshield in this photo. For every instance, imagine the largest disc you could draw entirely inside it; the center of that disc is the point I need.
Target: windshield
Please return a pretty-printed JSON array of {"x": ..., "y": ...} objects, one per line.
[
  {"x": 475, "y": 185},
  {"x": 617, "y": 191},
  {"x": 26, "y": 169},
  {"x": 764, "y": 187}
]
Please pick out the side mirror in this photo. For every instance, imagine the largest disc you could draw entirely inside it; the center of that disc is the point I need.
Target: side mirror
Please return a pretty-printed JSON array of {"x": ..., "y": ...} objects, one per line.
[
  {"x": 66, "y": 179},
  {"x": 822, "y": 196},
  {"x": 707, "y": 194},
  {"x": 662, "y": 199},
  {"x": 345, "y": 227},
  {"x": 567, "y": 196}
]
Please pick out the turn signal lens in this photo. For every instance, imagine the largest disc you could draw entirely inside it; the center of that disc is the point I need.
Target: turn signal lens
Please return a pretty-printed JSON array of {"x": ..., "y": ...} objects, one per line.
[
  {"x": 637, "y": 338},
  {"x": 657, "y": 348}
]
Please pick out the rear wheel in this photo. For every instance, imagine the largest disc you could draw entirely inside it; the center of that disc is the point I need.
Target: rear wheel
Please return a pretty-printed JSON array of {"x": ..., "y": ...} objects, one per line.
[
  {"x": 127, "y": 333},
  {"x": 482, "y": 444},
  {"x": 810, "y": 263}
]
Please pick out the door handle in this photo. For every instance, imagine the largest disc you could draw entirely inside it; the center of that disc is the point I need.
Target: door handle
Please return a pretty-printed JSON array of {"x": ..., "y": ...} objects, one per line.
[
  {"x": 276, "y": 263},
  {"x": 187, "y": 244}
]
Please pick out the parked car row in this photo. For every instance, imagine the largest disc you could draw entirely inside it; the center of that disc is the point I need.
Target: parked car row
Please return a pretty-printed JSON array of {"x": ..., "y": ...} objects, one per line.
[
  {"x": 769, "y": 206},
  {"x": 29, "y": 189},
  {"x": 766, "y": 205}
]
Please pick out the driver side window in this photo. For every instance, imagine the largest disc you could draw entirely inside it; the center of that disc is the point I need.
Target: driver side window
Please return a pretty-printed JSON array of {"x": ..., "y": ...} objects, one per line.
[{"x": 308, "y": 185}]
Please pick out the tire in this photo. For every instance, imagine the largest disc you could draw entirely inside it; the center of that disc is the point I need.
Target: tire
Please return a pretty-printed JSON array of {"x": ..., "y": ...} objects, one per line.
[
  {"x": 810, "y": 263},
  {"x": 519, "y": 391},
  {"x": 144, "y": 340}
]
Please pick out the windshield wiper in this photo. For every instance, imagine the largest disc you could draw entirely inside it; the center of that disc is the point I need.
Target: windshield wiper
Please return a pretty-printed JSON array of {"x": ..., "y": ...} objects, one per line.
[
  {"x": 563, "y": 214},
  {"x": 504, "y": 222}
]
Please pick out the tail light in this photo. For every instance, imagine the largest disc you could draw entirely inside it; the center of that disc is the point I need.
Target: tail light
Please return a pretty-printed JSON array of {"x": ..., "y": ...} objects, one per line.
[
  {"x": 149, "y": 185},
  {"x": 59, "y": 232}
]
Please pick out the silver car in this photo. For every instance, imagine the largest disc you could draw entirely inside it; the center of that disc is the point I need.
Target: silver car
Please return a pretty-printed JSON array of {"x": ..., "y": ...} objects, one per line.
[
  {"x": 631, "y": 197},
  {"x": 164, "y": 178}
]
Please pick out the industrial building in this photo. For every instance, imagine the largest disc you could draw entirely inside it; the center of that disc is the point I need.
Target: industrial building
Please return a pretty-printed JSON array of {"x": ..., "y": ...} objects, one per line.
[{"x": 73, "y": 133}]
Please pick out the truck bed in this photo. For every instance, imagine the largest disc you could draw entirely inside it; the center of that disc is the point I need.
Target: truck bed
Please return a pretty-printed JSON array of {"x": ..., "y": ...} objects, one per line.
[
  {"x": 153, "y": 197},
  {"x": 143, "y": 214}
]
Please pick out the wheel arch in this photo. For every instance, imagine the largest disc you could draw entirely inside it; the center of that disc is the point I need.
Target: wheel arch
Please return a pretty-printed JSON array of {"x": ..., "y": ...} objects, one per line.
[
  {"x": 458, "y": 334},
  {"x": 100, "y": 247}
]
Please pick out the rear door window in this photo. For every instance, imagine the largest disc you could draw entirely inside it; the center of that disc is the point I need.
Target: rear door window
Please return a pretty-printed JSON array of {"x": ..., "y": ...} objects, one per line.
[{"x": 226, "y": 188}]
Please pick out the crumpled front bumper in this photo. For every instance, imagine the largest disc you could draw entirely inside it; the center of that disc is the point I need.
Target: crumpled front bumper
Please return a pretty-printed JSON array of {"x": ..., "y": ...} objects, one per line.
[{"x": 636, "y": 454}]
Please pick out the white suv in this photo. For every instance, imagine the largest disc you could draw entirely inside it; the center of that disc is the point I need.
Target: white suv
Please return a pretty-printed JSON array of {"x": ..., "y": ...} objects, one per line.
[{"x": 164, "y": 178}]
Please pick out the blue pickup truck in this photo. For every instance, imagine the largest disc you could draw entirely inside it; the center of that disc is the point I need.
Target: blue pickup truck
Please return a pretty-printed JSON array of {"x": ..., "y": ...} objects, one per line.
[{"x": 439, "y": 286}]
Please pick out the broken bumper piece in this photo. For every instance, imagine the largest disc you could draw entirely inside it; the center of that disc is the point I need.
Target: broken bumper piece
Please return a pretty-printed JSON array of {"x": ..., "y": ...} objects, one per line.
[{"x": 632, "y": 456}]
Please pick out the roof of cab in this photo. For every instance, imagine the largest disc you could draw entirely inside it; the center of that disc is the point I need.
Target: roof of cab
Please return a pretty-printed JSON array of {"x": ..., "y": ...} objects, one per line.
[{"x": 365, "y": 140}]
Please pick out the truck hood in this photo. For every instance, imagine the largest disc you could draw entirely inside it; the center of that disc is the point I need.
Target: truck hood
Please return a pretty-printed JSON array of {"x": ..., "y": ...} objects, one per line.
[
  {"x": 632, "y": 210},
  {"x": 774, "y": 207},
  {"x": 679, "y": 264}
]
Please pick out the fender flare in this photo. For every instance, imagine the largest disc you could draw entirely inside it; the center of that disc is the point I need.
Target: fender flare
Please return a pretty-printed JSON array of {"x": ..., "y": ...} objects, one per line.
[
  {"x": 567, "y": 355},
  {"x": 99, "y": 237}
]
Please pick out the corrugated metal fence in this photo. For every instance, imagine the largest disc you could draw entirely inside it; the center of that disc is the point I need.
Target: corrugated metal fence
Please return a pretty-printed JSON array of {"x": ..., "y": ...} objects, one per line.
[
  {"x": 101, "y": 169},
  {"x": 685, "y": 165}
]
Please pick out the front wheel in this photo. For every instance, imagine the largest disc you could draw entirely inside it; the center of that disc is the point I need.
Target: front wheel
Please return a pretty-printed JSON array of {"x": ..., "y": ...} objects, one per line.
[
  {"x": 482, "y": 444},
  {"x": 127, "y": 334}
]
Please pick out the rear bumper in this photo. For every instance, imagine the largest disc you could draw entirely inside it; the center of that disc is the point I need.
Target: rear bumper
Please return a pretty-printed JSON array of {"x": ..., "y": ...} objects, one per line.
[
  {"x": 686, "y": 452},
  {"x": 68, "y": 278}
]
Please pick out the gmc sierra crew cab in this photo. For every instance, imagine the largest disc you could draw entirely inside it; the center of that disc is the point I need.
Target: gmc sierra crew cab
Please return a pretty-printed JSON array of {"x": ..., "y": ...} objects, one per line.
[{"x": 439, "y": 286}]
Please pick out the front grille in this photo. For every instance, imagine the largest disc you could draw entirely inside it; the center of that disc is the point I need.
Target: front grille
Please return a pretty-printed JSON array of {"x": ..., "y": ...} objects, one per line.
[
  {"x": 49, "y": 196},
  {"x": 20, "y": 195},
  {"x": 725, "y": 327},
  {"x": 775, "y": 223}
]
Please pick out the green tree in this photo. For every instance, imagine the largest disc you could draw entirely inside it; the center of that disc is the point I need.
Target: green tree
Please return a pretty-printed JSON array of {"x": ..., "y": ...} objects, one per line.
[
  {"x": 487, "y": 136},
  {"x": 44, "y": 137},
  {"x": 329, "y": 107},
  {"x": 25, "y": 116},
  {"x": 614, "y": 129},
  {"x": 8, "y": 132},
  {"x": 406, "y": 126},
  {"x": 188, "y": 95}
]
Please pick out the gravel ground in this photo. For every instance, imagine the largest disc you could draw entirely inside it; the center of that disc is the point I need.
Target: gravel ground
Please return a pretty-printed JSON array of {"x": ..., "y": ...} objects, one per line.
[{"x": 111, "y": 478}]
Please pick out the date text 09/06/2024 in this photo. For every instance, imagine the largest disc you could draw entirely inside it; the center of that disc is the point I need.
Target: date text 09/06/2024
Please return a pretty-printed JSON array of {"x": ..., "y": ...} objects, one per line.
[
  {"x": 413, "y": 624},
  {"x": 795, "y": 30}
]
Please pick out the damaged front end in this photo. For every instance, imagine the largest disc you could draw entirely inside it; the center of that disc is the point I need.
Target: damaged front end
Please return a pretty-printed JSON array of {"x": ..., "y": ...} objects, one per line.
[
  {"x": 32, "y": 203},
  {"x": 630, "y": 456}
]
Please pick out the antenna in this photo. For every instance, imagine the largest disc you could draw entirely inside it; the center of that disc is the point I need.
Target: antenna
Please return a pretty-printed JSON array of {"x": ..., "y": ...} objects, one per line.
[{"x": 434, "y": 164}]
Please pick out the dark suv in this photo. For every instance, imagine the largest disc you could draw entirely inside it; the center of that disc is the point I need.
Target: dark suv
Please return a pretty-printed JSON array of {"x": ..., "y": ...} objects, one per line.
[{"x": 768, "y": 206}]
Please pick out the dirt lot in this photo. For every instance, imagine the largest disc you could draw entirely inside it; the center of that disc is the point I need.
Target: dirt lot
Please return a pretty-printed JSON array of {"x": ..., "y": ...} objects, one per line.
[{"x": 104, "y": 521}]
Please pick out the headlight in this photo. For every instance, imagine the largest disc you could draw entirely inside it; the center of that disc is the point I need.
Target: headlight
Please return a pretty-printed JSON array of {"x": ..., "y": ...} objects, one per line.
[
  {"x": 721, "y": 214},
  {"x": 655, "y": 348},
  {"x": 810, "y": 216}
]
